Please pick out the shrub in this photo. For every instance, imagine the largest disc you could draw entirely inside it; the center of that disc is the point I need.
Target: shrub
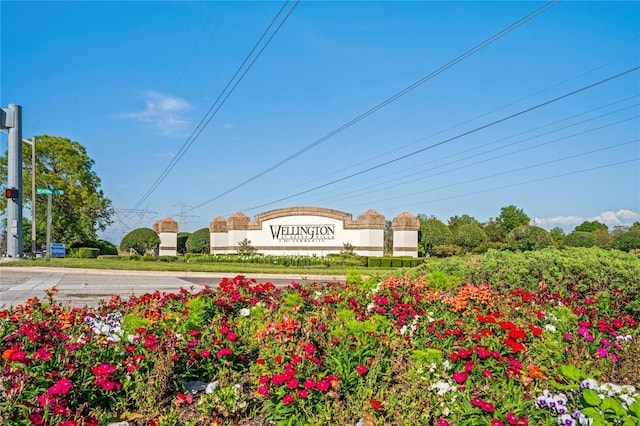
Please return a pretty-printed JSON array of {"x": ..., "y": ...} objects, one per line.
[
  {"x": 433, "y": 233},
  {"x": 182, "y": 242},
  {"x": 581, "y": 239},
  {"x": 584, "y": 270},
  {"x": 469, "y": 237},
  {"x": 627, "y": 241},
  {"x": 199, "y": 241},
  {"x": 88, "y": 253},
  {"x": 447, "y": 250},
  {"x": 245, "y": 247},
  {"x": 527, "y": 237},
  {"x": 141, "y": 241},
  {"x": 107, "y": 248}
]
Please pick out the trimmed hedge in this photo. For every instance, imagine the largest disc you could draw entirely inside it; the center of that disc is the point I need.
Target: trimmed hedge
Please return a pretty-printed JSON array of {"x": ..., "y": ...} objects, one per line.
[
  {"x": 88, "y": 252},
  {"x": 394, "y": 262}
]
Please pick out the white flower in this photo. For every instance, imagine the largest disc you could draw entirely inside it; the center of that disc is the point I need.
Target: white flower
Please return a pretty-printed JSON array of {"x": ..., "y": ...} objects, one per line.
[
  {"x": 403, "y": 330},
  {"x": 550, "y": 327},
  {"x": 244, "y": 312},
  {"x": 211, "y": 387}
]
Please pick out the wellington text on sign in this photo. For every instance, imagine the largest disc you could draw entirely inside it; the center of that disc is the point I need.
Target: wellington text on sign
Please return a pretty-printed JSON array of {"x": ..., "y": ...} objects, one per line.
[{"x": 304, "y": 233}]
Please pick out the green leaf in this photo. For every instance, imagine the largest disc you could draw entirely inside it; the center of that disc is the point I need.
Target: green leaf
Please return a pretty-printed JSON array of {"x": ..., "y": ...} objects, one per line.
[
  {"x": 560, "y": 386},
  {"x": 572, "y": 373},
  {"x": 591, "y": 412},
  {"x": 635, "y": 409},
  {"x": 612, "y": 406},
  {"x": 591, "y": 397}
]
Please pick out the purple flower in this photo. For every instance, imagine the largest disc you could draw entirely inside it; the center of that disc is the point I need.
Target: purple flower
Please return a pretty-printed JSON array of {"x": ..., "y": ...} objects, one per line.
[{"x": 566, "y": 420}]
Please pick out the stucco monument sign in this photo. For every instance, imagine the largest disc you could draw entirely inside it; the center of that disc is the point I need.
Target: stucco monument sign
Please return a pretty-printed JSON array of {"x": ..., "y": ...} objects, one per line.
[{"x": 310, "y": 231}]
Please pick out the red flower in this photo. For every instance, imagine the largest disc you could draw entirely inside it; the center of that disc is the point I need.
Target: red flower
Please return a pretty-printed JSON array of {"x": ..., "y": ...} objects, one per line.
[
  {"x": 103, "y": 370},
  {"x": 61, "y": 387},
  {"x": 183, "y": 399},
  {"x": 375, "y": 404},
  {"x": 224, "y": 352},
  {"x": 460, "y": 377},
  {"x": 288, "y": 399},
  {"x": 496, "y": 422},
  {"x": 293, "y": 383},
  {"x": 309, "y": 383},
  {"x": 302, "y": 393},
  {"x": 204, "y": 353},
  {"x": 361, "y": 369}
]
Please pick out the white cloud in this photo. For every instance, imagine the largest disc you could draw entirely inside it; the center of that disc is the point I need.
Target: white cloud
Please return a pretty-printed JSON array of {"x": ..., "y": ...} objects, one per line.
[
  {"x": 165, "y": 112},
  {"x": 164, "y": 154},
  {"x": 610, "y": 218}
]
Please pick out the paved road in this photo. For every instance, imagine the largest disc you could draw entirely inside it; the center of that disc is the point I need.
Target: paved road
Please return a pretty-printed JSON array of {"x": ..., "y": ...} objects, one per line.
[{"x": 80, "y": 287}]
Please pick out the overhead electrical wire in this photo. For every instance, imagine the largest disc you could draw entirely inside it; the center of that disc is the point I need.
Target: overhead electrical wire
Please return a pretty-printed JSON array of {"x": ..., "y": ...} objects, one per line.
[
  {"x": 413, "y": 175},
  {"x": 461, "y": 135},
  {"x": 464, "y": 166},
  {"x": 468, "y": 194},
  {"x": 518, "y": 169},
  {"x": 392, "y": 98},
  {"x": 222, "y": 97}
]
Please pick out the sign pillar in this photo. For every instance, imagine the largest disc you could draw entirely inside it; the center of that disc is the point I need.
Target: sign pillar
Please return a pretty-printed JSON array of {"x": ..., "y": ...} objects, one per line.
[{"x": 12, "y": 120}]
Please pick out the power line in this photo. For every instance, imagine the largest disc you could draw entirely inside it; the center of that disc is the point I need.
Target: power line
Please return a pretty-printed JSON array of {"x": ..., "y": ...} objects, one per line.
[
  {"x": 454, "y": 169},
  {"x": 393, "y": 98},
  {"x": 518, "y": 169},
  {"x": 221, "y": 99},
  {"x": 526, "y": 182},
  {"x": 477, "y": 129}
]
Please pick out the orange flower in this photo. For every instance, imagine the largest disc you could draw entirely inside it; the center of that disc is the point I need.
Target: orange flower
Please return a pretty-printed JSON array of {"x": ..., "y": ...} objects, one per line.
[
  {"x": 7, "y": 354},
  {"x": 534, "y": 372},
  {"x": 51, "y": 291}
]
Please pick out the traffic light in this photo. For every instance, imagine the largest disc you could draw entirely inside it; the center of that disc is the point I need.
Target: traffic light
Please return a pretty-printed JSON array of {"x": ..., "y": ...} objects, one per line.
[{"x": 11, "y": 193}]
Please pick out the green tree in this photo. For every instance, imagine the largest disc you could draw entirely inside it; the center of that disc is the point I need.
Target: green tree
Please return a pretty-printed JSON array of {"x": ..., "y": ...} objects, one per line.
[
  {"x": 557, "y": 235},
  {"x": 627, "y": 241},
  {"x": 581, "y": 239},
  {"x": 587, "y": 226},
  {"x": 433, "y": 233},
  {"x": 510, "y": 217},
  {"x": 469, "y": 237},
  {"x": 199, "y": 241},
  {"x": 527, "y": 237},
  {"x": 494, "y": 230},
  {"x": 456, "y": 221},
  {"x": 182, "y": 242},
  {"x": 140, "y": 240},
  {"x": 83, "y": 210}
]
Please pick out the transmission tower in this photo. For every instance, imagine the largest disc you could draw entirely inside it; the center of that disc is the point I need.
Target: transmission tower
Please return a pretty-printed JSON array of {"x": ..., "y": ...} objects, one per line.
[{"x": 183, "y": 222}]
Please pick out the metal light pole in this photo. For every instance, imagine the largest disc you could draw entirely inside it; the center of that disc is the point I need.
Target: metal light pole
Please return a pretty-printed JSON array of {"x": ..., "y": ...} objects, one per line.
[
  {"x": 11, "y": 119},
  {"x": 32, "y": 142}
]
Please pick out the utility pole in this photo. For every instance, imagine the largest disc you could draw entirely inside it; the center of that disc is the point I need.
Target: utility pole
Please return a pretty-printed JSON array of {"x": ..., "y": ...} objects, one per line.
[{"x": 11, "y": 119}]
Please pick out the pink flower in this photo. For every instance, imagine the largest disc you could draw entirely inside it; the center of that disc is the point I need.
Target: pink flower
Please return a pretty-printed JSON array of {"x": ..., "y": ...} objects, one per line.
[
  {"x": 460, "y": 377},
  {"x": 361, "y": 369},
  {"x": 602, "y": 352},
  {"x": 231, "y": 336},
  {"x": 302, "y": 393},
  {"x": 309, "y": 383},
  {"x": 61, "y": 387},
  {"x": 103, "y": 370},
  {"x": 205, "y": 353},
  {"x": 293, "y": 383},
  {"x": 224, "y": 352},
  {"x": 288, "y": 399}
]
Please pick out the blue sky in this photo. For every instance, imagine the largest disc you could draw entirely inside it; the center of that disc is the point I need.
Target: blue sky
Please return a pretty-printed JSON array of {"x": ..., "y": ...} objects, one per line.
[{"x": 131, "y": 81}]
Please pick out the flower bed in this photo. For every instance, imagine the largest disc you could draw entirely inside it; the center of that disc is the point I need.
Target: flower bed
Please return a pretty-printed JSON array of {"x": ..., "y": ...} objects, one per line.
[{"x": 372, "y": 352}]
